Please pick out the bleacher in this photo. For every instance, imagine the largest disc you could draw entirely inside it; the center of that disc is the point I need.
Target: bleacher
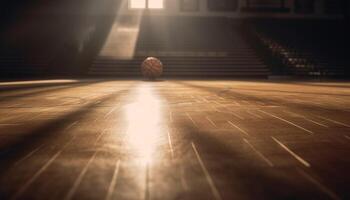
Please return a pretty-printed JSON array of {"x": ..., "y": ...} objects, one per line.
[
  {"x": 188, "y": 47},
  {"x": 306, "y": 48}
]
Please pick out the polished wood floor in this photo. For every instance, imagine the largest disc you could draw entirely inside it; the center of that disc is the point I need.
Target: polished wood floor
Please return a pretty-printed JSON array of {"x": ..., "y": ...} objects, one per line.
[{"x": 174, "y": 139}]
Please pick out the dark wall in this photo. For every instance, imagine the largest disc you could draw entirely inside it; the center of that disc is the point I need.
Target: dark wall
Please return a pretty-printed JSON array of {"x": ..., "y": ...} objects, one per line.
[
  {"x": 66, "y": 34},
  {"x": 222, "y": 5}
]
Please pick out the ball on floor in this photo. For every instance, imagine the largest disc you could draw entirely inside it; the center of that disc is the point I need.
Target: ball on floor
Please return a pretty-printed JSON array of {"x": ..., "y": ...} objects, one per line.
[{"x": 152, "y": 68}]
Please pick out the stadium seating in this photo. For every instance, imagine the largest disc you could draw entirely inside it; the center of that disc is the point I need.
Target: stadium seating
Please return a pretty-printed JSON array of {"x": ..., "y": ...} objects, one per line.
[
  {"x": 302, "y": 48},
  {"x": 188, "y": 47}
]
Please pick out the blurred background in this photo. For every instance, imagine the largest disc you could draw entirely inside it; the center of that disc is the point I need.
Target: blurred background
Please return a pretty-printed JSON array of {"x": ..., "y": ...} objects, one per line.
[{"x": 194, "y": 38}]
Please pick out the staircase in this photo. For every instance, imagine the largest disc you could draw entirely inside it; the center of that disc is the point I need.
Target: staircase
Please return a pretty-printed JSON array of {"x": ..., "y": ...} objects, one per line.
[
  {"x": 187, "y": 64},
  {"x": 205, "y": 48},
  {"x": 310, "y": 49}
]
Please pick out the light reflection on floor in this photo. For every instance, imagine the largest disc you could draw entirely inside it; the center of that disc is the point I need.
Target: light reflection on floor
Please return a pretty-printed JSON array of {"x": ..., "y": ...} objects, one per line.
[
  {"x": 143, "y": 116},
  {"x": 174, "y": 139}
]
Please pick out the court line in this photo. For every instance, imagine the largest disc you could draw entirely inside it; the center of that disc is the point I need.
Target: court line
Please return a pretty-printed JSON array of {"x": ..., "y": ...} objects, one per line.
[
  {"x": 241, "y": 130},
  {"x": 188, "y": 115},
  {"x": 334, "y": 121},
  {"x": 112, "y": 185},
  {"x": 254, "y": 114},
  {"x": 16, "y": 124},
  {"x": 260, "y": 103},
  {"x": 71, "y": 125},
  {"x": 318, "y": 123},
  {"x": 238, "y": 116},
  {"x": 213, "y": 188},
  {"x": 111, "y": 111},
  {"x": 41, "y": 113},
  {"x": 304, "y": 162},
  {"x": 77, "y": 182},
  {"x": 319, "y": 185},
  {"x": 28, "y": 155},
  {"x": 36, "y": 175},
  {"x": 310, "y": 120},
  {"x": 288, "y": 122},
  {"x": 211, "y": 121},
  {"x": 205, "y": 100},
  {"x": 15, "y": 105},
  {"x": 247, "y": 102},
  {"x": 100, "y": 136},
  {"x": 113, "y": 181},
  {"x": 170, "y": 144},
  {"x": 259, "y": 153},
  {"x": 171, "y": 116},
  {"x": 62, "y": 104}
]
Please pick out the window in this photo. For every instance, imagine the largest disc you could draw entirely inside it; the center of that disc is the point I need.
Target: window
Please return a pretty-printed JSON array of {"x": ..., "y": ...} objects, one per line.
[
  {"x": 137, "y": 4},
  {"x": 142, "y": 4},
  {"x": 156, "y": 4}
]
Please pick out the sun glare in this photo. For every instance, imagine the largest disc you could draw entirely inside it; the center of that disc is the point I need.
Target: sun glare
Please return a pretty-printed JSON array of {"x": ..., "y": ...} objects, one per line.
[
  {"x": 156, "y": 4},
  {"x": 143, "y": 117},
  {"x": 138, "y": 4},
  {"x": 151, "y": 4}
]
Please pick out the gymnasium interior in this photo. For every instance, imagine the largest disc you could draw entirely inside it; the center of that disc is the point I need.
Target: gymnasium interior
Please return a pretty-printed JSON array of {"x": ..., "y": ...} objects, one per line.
[{"x": 253, "y": 101}]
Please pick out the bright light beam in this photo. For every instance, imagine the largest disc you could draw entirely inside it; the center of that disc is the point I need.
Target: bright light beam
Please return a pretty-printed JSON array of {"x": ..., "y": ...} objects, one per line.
[
  {"x": 156, "y": 4},
  {"x": 137, "y": 4},
  {"x": 143, "y": 118},
  {"x": 121, "y": 41}
]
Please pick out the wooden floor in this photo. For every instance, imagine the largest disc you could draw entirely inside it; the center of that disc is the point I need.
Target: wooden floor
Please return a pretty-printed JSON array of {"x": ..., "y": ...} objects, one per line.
[{"x": 174, "y": 139}]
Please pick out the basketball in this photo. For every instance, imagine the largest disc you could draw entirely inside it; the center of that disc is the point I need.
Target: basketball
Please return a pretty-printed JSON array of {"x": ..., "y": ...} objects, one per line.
[{"x": 151, "y": 68}]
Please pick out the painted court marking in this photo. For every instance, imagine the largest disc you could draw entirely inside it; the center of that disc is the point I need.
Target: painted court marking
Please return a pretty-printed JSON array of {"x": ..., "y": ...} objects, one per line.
[
  {"x": 334, "y": 121},
  {"x": 241, "y": 130},
  {"x": 254, "y": 114},
  {"x": 259, "y": 153},
  {"x": 288, "y": 122},
  {"x": 111, "y": 111},
  {"x": 304, "y": 162},
  {"x": 236, "y": 115},
  {"x": 77, "y": 182},
  {"x": 16, "y": 124},
  {"x": 213, "y": 188},
  {"x": 26, "y": 185},
  {"x": 323, "y": 188},
  {"x": 71, "y": 125},
  {"x": 171, "y": 116},
  {"x": 113, "y": 181},
  {"x": 189, "y": 116},
  {"x": 211, "y": 122},
  {"x": 307, "y": 119},
  {"x": 170, "y": 144},
  {"x": 29, "y": 155}
]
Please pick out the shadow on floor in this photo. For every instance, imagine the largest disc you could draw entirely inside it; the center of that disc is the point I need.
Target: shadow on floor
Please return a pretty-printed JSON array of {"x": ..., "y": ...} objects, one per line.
[
  {"x": 43, "y": 89},
  {"x": 46, "y": 132},
  {"x": 229, "y": 92},
  {"x": 238, "y": 176}
]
